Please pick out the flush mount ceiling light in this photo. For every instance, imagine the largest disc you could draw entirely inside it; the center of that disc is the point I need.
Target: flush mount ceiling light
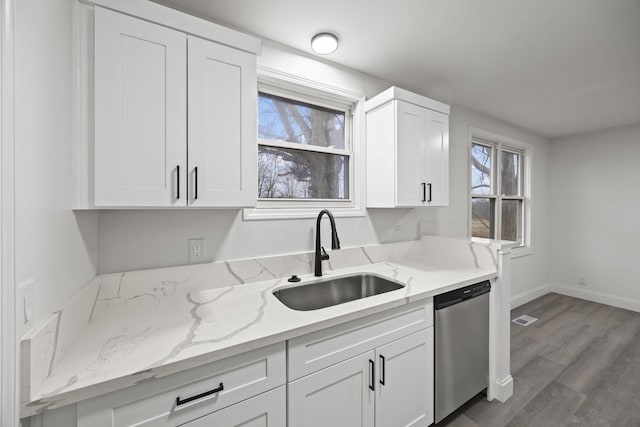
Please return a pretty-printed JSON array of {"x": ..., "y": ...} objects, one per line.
[{"x": 324, "y": 43}]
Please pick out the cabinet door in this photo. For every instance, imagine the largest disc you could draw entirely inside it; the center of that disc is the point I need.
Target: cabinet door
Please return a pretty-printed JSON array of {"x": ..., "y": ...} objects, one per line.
[
  {"x": 436, "y": 159},
  {"x": 410, "y": 150},
  {"x": 265, "y": 410},
  {"x": 222, "y": 126},
  {"x": 140, "y": 112},
  {"x": 335, "y": 396},
  {"x": 404, "y": 390}
]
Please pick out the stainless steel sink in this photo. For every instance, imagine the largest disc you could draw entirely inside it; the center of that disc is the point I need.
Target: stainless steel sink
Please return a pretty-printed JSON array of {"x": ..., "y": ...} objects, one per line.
[{"x": 339, "y": 290}]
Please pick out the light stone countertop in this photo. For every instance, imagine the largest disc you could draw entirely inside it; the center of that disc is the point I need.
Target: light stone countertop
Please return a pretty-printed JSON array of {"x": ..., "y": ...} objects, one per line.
[{"x": 149, "y": 337}]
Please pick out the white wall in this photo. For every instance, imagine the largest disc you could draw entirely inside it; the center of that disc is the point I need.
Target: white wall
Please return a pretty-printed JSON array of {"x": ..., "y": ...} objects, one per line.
[
  {"x": 531, "y": 271},
  {"x": 595, "y": 209},
  {"x": 55, "y": 248}
]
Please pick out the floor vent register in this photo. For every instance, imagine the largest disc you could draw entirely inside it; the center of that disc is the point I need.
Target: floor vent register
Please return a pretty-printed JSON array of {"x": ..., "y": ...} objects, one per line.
[{"x": 524, "y": 320}]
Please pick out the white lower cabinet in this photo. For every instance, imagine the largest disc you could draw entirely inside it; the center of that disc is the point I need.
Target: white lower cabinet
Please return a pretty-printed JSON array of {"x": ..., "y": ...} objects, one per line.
[
  {"x": 390, "y": 385},
  {"x": 404, "y": 393},
  {"x": 340, "y": 395},
  {"x": 265, "y": 410}
]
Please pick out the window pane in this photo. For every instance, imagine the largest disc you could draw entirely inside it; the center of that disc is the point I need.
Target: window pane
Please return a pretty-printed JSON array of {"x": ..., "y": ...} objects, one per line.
[
  {"x": 480, "y": 169},
  {"x": 284, "y": 119},
  {"x": 512, "y": 220},
  {"x": 510, "y": 172},
  {"x": 482, "y": 218},
  {"x": 300, "y": 174}
]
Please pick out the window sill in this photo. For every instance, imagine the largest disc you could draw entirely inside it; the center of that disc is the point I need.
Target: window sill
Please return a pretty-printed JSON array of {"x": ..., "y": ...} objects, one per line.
[
  {"x": 516, "y": 250},
  {"x": 257, "y": 214},
  {"x": 521, "y": 251}
]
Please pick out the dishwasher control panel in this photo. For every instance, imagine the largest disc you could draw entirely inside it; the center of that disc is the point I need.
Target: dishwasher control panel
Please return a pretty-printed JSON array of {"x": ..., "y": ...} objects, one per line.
[{"x": 458, "y": 295}]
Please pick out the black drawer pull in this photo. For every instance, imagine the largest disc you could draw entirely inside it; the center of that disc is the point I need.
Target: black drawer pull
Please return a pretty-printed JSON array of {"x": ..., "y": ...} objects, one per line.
[
  {"x": 196, "y": 182},
  {"x": 429, "y": 184},
  {"x": 178, "y": 183},
  {"x": 372, "y": 369},
  {"x": 199, "y": 396},
  {"x": 382, "y": 370},
  {"x": 424, "y": 191}
]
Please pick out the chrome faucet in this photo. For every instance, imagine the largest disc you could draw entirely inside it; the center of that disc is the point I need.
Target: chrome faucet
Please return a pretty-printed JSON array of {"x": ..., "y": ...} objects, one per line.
[{"x": 321, "y": 254}]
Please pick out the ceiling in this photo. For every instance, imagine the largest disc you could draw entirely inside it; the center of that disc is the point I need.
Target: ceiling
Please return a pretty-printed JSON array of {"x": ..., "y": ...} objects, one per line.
[{"x": 553, "y": 67}]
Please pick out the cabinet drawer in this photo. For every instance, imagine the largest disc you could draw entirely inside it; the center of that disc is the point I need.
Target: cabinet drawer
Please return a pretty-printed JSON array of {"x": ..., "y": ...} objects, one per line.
[
  {"x": 266, "y": 410},
  {"x": 324, "y": 348},
  {"x": 155, "y": 403}
]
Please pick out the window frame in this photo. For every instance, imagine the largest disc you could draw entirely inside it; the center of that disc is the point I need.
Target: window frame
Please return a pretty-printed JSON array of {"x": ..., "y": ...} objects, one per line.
[
  {"x": 499, "y": 144},
  {"x": 297, "y": 88}
]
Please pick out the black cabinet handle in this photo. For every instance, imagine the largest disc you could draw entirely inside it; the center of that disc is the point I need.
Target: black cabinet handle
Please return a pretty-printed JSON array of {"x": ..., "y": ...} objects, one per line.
[
  {"x": 382, "y": 369},
  {"x": 372, "y": 370},
  {"x": 196, "y": 186},
  {"x": 178, "y": 182},
  {"x": 424, "y": 191},
  {"x": 429, "y": 184},
  {"x": 199, "y": 396}
]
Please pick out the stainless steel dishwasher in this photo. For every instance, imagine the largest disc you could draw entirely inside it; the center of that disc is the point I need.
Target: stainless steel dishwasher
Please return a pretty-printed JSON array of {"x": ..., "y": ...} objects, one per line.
[{"x": 461, "y": 346}]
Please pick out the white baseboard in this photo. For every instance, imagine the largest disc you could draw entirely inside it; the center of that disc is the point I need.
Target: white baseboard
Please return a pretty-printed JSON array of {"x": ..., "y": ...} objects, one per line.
[
  {"x": 595, "y": 296},
  {"x": 572, "y": 291},
  {"x": 503, "y": 389},
  {"x": 530, "y": 295}
]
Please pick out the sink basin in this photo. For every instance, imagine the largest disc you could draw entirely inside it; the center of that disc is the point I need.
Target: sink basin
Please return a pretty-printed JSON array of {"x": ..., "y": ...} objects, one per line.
[{"x": 334, "y": 291}]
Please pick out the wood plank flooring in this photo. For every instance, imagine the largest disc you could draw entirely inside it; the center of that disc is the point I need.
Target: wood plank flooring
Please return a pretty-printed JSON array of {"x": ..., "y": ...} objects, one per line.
[{"x": 578, "y": 365}]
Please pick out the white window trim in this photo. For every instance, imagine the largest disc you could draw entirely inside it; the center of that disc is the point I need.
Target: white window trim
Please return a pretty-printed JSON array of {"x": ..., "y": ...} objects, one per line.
[
  {"x": 9, "y": 356},
  {"x": 280, "y": 83},
  {"x": 527, "y": 151}
]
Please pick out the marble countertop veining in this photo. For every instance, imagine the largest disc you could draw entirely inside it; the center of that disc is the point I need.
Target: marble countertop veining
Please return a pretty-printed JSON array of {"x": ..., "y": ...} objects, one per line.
[{"x": 152, "y": 337}]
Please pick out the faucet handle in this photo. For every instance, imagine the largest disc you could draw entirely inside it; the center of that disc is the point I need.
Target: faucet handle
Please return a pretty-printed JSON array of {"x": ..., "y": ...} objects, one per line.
[{"x": 324, "y": 255}]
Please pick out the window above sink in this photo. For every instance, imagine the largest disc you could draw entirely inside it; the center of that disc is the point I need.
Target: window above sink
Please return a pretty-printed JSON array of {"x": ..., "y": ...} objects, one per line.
[{"x": 310, "y": 149}]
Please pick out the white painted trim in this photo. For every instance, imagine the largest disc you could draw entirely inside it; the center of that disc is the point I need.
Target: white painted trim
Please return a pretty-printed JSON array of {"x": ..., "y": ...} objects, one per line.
[
  {"x": 500, "y": 381},
  {"x": 503, "y": 389},
  {"x": 520, "y": 251},
  {"x": 404, "y": 95},
  {"x": 530, "y": 295},
  {"x": 181, "y": 21},
  {"x": 527, "y": 151},
  {"x": 8, "y": 348},
  {"x": 325, "y": 95},
  {"x": 595, "y": 296},
  {"x": 572, "y": 291},
  {"x": 276, "y": 81}
]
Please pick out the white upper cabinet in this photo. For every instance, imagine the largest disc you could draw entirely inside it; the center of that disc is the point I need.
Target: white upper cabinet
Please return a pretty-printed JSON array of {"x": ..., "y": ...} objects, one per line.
[
  {"x": 222, "y": 151},
  {"x": 140, "y": 112},
  {"x": 174, "y": 115},
  {"x": 407, "y": 150}
]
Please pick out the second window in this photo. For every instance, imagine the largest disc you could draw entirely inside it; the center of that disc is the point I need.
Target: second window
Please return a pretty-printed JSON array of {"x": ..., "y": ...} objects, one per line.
[{"x": 497, "y": 191}]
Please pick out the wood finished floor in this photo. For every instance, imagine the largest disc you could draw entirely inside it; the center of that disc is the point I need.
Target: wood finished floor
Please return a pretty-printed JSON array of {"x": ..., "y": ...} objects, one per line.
[{"x": 578, "y": 365}]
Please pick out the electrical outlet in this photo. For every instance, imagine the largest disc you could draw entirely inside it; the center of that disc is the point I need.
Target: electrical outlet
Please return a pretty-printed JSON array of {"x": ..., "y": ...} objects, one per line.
[
  {"x": 582, "y": 281},
  {"x": 398, "y": 229},
  {"x": 196, "y": 250}
]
